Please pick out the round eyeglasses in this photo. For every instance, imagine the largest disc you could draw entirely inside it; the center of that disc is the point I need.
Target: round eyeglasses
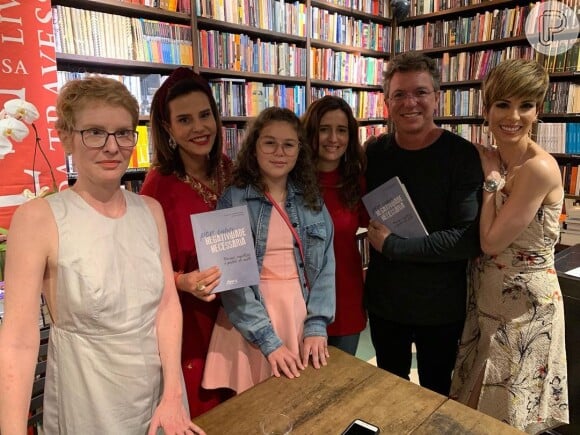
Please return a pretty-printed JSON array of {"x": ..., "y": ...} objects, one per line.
[
  {"x": 419, "y": 95},
  {"x": 269, "y": 146},
  {"x": 97, "y": 138}
]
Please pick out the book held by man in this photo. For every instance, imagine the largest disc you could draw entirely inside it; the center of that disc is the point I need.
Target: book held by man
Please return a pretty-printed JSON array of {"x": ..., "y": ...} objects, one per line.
[
  {"x": 391, "y": 205},
  {"x": 223, "y": 238}
]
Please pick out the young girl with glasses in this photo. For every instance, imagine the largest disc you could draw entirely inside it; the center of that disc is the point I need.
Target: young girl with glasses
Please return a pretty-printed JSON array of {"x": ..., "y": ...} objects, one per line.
[{"x": 281, "y": 323}]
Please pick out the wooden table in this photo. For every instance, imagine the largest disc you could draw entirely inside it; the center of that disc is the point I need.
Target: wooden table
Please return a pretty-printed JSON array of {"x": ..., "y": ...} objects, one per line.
[{"x": 325, "y": 401}]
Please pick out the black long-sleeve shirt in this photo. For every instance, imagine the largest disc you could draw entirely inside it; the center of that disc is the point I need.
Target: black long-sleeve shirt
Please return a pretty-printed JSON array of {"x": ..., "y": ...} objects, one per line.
[{"x": 423, "y": 280}]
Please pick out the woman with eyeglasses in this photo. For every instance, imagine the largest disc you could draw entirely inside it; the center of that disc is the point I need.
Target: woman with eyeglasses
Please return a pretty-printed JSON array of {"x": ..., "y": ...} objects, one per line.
[
  {"x": 332, "y": 133},
  {"x": 281, "y": 323},
  {"x": 188, "y": 175},
  {"x": 100, "y": 255}
]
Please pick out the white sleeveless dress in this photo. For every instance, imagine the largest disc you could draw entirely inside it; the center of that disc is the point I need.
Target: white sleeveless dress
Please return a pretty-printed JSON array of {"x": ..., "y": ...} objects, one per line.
[{"x": 104, "y": 369}]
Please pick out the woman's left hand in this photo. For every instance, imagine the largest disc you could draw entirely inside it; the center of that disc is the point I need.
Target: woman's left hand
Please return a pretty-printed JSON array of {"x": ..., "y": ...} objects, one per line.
[
  {"x": 172, "y": 417},
  {"x": 490, "y": 161},
  {"x": 315, "y": 347}
]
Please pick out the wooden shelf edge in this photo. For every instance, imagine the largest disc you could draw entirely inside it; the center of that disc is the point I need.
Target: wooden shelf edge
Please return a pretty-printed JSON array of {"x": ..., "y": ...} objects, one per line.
[
  {"x": 334, "y": 84},
  {"x": 321, "y": 4},
  {"x": 213, "y": 24},
  {"x": 320, "y": 43},
  {"x": 250, "y": 76},
  {"x": 483, "y": 6},
  {"x": 76, "y": 62},
  {"x": 126, "y": 9},
  {"x": 473, "y": 46}
]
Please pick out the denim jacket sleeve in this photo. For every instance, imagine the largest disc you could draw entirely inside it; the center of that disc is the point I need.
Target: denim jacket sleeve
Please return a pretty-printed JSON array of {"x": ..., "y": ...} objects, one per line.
[
  {"x": 321, "y": 301},
  {"x": 244, "y": 306}
]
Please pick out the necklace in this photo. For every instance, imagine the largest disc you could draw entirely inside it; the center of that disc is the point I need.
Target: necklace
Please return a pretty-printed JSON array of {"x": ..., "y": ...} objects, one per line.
[
  {"x": 503, "y": 167},
  {"x": 207, "y": 194}
]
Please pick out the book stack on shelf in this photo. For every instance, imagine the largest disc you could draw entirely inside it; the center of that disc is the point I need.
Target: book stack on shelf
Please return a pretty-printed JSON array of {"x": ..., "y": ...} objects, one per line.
[
  {"x": 168, "y": 5},
  {"x": 90, "y": 33},
  {"x": 570, "y": 228}
]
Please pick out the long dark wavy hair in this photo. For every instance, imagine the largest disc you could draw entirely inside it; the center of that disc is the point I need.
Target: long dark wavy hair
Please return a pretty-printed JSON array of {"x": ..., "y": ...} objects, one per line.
[
  {"x": 182, "y": 81},
  {"x": 303, "y": 175},
  {"x": 353, "y": 164}
]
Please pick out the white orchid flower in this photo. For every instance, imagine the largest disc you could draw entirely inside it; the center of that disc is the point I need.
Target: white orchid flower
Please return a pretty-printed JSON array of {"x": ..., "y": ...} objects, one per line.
[
  {"x": 21, "y": 109},
  {"x": 14, "y": 129},
  {"x": 5, "y": 147},
  {"x": 28, "y": 194}
]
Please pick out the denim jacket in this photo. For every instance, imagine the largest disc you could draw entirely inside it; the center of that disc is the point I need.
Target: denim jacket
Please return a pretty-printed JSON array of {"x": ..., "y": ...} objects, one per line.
[{"x": 245, "y": 306}]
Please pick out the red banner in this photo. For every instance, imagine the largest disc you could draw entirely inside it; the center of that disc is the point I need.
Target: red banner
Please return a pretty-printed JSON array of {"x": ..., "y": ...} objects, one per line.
[{"x": 28, "y": 72}]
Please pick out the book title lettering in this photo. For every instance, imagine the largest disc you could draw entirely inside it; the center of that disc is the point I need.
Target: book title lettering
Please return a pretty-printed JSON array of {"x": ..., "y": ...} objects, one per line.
[
  {"x": 224, "y": 239},
  {"x": 390, "y": 209}
]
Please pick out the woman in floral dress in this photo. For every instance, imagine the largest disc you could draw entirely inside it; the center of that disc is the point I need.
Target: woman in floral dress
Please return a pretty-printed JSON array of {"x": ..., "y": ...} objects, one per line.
[{"x": 512, "y": 358}]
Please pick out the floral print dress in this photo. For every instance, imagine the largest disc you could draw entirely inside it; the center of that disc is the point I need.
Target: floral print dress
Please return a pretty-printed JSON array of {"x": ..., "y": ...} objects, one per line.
[{"x": 513, "y": 341}]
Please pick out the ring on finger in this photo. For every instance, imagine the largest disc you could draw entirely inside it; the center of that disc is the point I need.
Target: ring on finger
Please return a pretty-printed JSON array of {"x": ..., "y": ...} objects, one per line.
[{"x": 199, "y": 287}]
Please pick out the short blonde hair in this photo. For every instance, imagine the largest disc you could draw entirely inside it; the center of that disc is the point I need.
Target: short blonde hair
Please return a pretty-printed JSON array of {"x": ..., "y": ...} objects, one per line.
[
  {"x": 518, "y": 78},
  {"x": 78, "y": 94}
]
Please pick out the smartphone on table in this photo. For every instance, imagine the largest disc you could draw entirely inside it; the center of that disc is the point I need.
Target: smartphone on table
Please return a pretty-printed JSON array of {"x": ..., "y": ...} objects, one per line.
[{"x": 361, "y": 427}]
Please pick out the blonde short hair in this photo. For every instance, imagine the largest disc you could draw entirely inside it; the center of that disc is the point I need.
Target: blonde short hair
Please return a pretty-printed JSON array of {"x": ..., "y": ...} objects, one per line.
[{"x": 519, "y": 78}]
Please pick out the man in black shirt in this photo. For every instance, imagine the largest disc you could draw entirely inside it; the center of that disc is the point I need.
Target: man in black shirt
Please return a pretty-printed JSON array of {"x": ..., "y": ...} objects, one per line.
[{"x": 415, "y": 288}]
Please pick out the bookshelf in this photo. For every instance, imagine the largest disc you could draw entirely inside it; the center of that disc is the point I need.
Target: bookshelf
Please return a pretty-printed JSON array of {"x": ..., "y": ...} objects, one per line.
[
  {"x": 255, "y": 54},
  {"x": 126, "y": 40}
]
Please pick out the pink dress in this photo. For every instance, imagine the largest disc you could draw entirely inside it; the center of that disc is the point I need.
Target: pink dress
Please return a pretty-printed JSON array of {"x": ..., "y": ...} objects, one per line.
[{"x": 232, "y": 362}]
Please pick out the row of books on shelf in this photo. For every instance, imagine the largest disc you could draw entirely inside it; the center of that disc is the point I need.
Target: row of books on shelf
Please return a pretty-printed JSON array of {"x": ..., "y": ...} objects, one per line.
[
  {"x": 570, "y": 181},
  {"x": 275, "y": 15},
  {"x": 91, "y": 33},
  {"x": 421, "y": 7},
  {"x": 141, "y": 86},
  {"x": 561, "y": 98},
  {"x": 364, "y": 104},
  {"x": 342, "y": 29},
  {"x": 380, "y": 8},
  {"x": 482, "y": 27},
  {"x": 554, "y": 137},
  {"x": 339, "y": 66},
  {"x": 168, "y": 5},
  {"x": 239, "y": 52},
  {"x": 570, "y": 225},
  {"x": 236, "y": 97},
  {"x": 558, "y": 138},
  {"x": 475, "y": 65}
]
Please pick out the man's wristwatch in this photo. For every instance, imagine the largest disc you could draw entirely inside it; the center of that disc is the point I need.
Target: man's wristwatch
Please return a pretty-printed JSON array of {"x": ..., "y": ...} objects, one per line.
[{"x": 492, "y": 185}]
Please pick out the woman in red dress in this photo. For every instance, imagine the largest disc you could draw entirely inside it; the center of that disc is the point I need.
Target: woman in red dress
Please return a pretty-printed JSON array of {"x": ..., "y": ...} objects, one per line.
[
  {"x": 188, "y": 175},
  {"x": 332, "y": 132}
]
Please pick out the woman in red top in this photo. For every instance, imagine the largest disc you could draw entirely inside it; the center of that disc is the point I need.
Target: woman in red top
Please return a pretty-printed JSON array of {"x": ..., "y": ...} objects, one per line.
[
  {"x": 188, "y": 175},
  {"x": 332, "y": 132}
]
